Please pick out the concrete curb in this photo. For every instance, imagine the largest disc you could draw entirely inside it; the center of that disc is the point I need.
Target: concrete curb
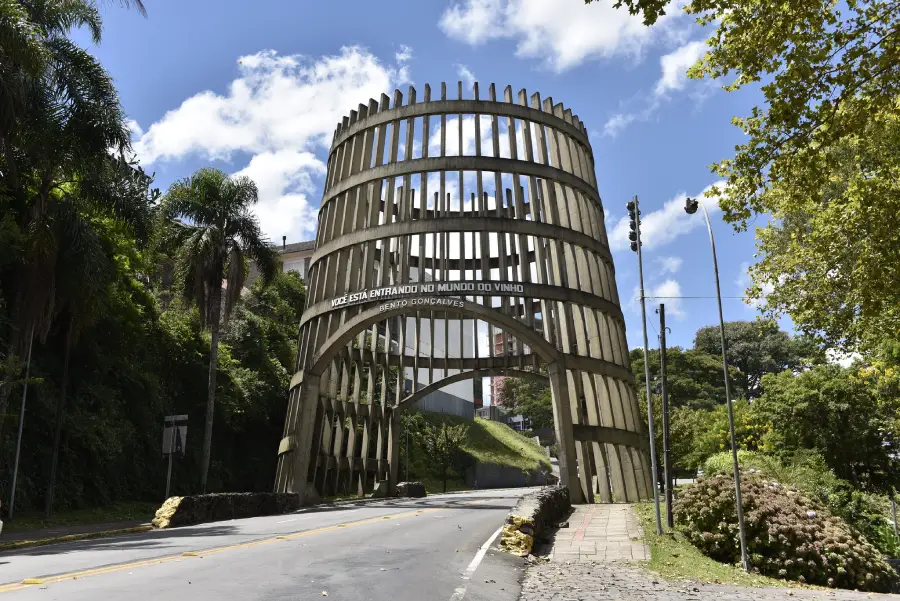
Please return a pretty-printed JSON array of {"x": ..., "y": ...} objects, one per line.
[{"x": 41, "y": 542}]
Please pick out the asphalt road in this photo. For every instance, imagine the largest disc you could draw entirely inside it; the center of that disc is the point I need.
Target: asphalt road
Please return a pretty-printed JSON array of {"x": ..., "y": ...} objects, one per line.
[{"x": 396, "y": 550}]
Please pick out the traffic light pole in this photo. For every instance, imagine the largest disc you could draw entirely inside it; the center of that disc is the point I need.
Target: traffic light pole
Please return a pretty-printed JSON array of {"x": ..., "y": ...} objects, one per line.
[
  {"x": 635, "y": 213},
  {"x": 664, "y": 385}
]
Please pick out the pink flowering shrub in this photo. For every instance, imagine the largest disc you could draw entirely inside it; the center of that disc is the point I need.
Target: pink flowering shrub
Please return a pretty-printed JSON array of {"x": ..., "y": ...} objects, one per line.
[{"x": 788, "y": 536}]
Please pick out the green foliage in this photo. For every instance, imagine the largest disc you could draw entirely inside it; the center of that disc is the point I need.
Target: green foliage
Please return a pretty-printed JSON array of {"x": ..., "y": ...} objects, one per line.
[
  {"x": 807, "y": 472},
  {"x": 821, "y": 155},
  {"x": 827, "y": 409},
  {"x": 694, "y": 376},
  {"x": 788, "y": 536},
  {"x": 206, "y": 220},
  {"x": 443, "y": 443},
  {"x": 529, "y": 398},
  {"x": 757, "y": 348}
]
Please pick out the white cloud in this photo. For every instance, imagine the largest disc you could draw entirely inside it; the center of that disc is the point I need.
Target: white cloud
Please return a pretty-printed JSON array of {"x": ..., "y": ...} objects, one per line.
[
  {"x": 134, "y": 128},
  {"x": 674, "y": 66},
  {"x": 278, "y": 110},
  {"x": 284, "y": 179},
  {"x": 617, "y": 123},
  {"x": 668, "y": 292},
  {"x": 662, "y": 226},
  {"x": 670, "y": 264},
  {"x": 563, "y": 33},
  {"x": 403, "y": 57},
  {"x": 673, "y": 77},
  {"x": 466, "y": 74},
  {"x": 842, "y": 358}
]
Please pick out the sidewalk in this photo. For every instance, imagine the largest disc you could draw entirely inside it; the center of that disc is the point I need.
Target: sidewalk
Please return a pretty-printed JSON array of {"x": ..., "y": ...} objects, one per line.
[
  {"x": 60, "y": 531},
  {"x": 596, "y": 558},
  {"x": 600, "y": 533}
]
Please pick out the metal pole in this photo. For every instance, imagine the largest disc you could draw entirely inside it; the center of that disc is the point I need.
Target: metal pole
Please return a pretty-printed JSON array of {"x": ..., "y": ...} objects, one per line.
[
  {"x": 12, "y": 492},
  {"x": 171, "y": 452},
  {"x": 168, "y": 476},
  {"x": 894, "y": 512},
  {"x": 664, "y": 384},
  {"x": 407, "y": 451},
  {"x": 745, "y": 561},
  {"x": 637, "y": 216}
]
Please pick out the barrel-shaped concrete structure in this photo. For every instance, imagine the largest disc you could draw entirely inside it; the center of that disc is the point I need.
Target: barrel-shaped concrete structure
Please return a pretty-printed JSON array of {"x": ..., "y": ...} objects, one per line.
[{"x": 453, "y": 220}]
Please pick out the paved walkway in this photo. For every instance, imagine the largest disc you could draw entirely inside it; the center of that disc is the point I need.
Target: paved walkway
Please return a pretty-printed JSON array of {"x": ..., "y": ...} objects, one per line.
[
  {"x": 587, "y": 563},
  {"x": 600, "y": 533}
]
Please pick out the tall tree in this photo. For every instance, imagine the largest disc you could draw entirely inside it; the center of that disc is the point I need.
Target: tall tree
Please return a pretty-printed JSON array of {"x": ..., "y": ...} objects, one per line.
[
  {"x": 694, "y": 376},
  {"x": 443, "y": 443},
  {"x": 59, "y": 117},
  {"x": 821, "y": 155},
  {"x": 757, "y": 348},
  {"x": 85, "y": 266},
  {"x": 529, "y": 398},
  {"x": 828, "y": 409},
  {"x": 208, "y": 219}
]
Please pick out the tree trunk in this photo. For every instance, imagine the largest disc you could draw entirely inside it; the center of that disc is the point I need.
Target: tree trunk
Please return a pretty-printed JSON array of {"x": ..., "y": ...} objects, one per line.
[
  {"x": 444, "y": 477},
  {"x": 216, "y": 300},
  {"x": 60, "y": 413}
]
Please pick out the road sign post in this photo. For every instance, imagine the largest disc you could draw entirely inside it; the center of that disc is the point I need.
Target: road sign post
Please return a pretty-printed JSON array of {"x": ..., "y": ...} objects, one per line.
[{"x": 174, "y": 438}]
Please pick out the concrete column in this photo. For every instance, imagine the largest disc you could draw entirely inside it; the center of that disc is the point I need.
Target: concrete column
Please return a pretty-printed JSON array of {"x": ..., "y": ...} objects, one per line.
[
  {"x": 393, "y": 452},
  {"x": 562, "y": 421},
  {"x": 309, "y": 398}
]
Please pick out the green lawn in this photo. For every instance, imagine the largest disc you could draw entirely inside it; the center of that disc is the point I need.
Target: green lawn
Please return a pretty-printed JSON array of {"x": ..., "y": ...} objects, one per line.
[
  {"x": 673, "y": 557},
  {"x": 119, "y": 512},
  {"x": 493, "y": 442}
]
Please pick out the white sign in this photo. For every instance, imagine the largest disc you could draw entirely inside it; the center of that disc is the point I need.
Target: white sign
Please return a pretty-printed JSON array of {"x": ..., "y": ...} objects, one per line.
[{"x": 465, "y": 288}]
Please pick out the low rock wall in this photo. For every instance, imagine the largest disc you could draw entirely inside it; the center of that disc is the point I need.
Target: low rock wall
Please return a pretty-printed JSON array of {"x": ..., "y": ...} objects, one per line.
[
  {"x": 411, "y": 489},
  {"x": 532, "y": 517},
  {"x": 198, "y": 509}
]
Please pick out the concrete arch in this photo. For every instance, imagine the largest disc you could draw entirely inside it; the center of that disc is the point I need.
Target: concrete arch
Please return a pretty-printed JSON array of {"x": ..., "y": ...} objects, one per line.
[
  {"x": 373, "y": 315},
  {"x": 407, "y": 401},
  {"x": 530, "y": 290}
]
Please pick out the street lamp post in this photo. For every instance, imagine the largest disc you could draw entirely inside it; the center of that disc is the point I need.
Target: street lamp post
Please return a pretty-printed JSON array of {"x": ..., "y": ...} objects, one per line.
[{"x": 690, "y": 207}]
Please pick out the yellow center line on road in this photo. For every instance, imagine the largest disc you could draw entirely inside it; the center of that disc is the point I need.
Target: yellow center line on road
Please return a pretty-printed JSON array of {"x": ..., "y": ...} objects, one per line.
[{"x": 32, "y": 582}]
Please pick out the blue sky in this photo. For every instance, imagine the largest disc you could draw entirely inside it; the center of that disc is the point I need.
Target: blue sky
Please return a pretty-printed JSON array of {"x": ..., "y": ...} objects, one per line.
[{"x": 257, "y": 88}]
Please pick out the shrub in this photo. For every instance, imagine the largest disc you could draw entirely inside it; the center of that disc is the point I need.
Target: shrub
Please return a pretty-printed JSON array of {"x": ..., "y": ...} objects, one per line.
[
  {"x": 788, "y": 536},
  {"x": 868, "y": 513}
]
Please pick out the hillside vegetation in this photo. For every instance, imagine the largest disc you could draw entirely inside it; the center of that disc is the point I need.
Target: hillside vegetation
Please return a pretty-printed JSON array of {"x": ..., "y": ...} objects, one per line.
[{"x": 486, "y": 442}]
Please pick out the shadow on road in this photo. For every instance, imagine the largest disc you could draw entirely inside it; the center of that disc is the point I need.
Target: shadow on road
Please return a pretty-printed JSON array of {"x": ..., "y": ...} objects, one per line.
[
  {"x": 141, "y": 540},
  {"x": 162, "y": 539}
]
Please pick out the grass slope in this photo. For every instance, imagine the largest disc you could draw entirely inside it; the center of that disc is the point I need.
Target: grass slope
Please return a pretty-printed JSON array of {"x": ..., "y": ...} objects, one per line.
[
  {"x": 673, "y": 557},
  {"x": 492, "y": 442}
]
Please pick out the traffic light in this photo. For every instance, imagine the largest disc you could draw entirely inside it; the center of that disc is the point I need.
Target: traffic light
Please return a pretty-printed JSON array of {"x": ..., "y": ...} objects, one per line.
[{"x": 634, "y": 214}]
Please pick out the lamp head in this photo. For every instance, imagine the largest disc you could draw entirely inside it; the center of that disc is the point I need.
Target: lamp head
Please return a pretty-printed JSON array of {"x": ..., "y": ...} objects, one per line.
[{"x": 690, "y": 206}]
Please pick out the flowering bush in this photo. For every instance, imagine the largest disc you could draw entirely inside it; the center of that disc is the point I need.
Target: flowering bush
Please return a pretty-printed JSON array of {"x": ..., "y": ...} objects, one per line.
[{"x": 788, "y": 536}]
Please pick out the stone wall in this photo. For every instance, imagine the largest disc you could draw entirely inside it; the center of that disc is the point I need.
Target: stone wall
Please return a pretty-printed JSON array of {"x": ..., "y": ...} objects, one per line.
[
  {"x": 532, "y": 517},
  {"x": 197, "y": 509}
]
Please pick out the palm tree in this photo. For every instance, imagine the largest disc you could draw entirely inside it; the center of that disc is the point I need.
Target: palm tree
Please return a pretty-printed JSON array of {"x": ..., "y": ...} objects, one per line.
[
  {"x": 59, "y": 116},
  {"x": 207, "y": 220}
]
